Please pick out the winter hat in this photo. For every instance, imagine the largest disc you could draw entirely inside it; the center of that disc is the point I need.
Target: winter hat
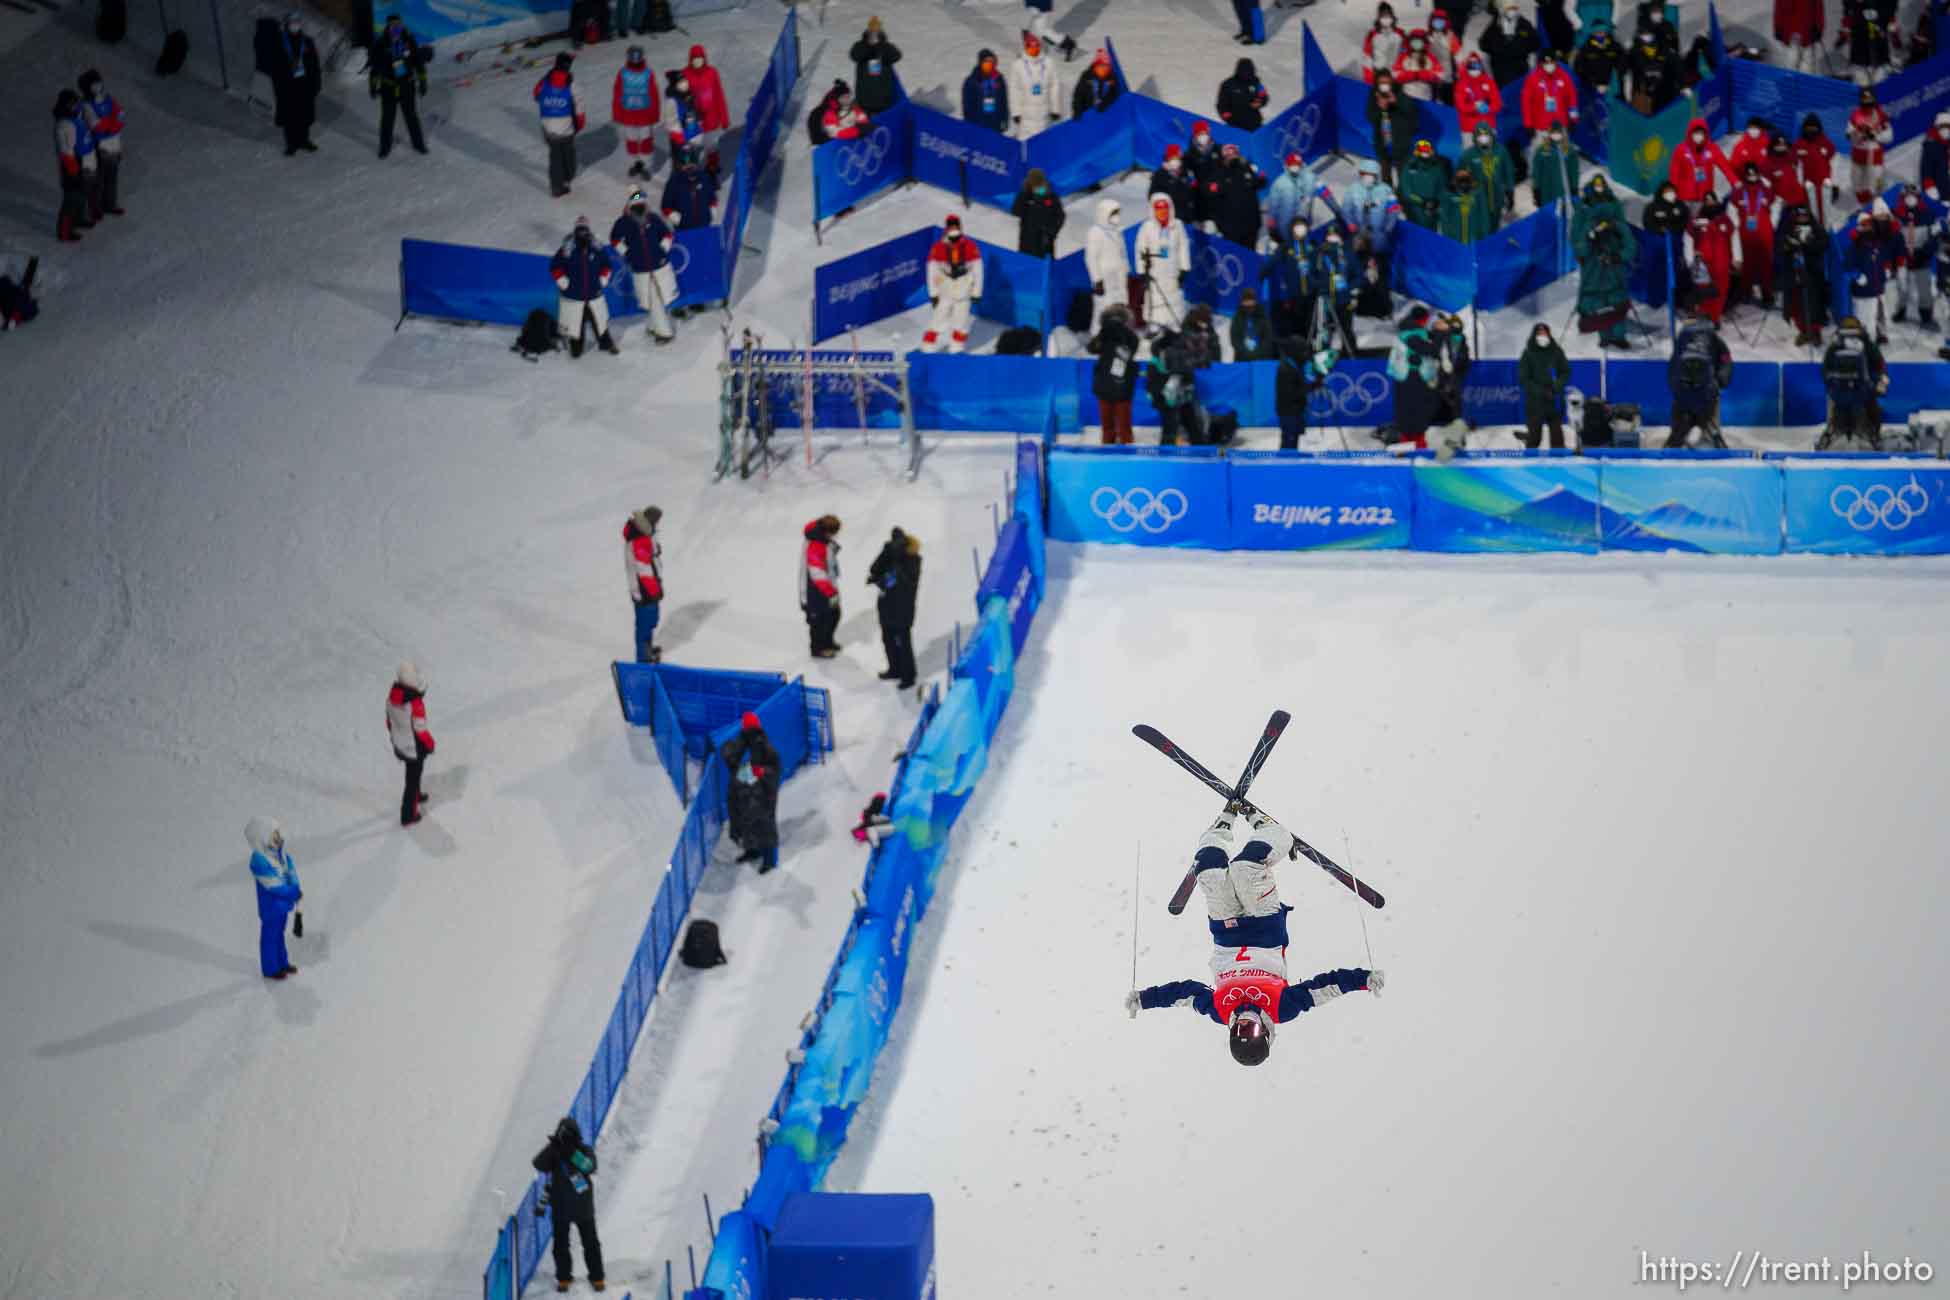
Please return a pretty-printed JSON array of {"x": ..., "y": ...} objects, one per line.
[
  {"x": 409, "y": 676},
  {"x": 952, "y": 223},
  {"x": 840, "y": 90},
  {"x": 1101, "y": 59},
  {"x": 749, "y": 721},
  {"x": 646, "y": 519},
  {"x": 873, "y": 23},
  {"x": 582, "y": 223},
  {"x": 563, "y": 59},
  {"x": 1423, "y": 149},
  {"x": 1879, "y": 209},
  {"x": 1942, "y": 119},
  {"x": 636, "y": 197},
  {"x": 1199, "y": 129},
  {"x": 260, "y": 831},
  {"x": 1368, "y": 167},
  {"x": 1229, "y": 150},
  {"x": 635, "y": 55},
  {"x": 1293, "y": 160},
  {"x": 1032, "y": 44},
  {"x": 87, "y": 79},
  {"x": 66, "y": 103},
  {"x": 292, "y": 22},
  {"x": 1173, "y": 151},
  {"x": 897, "y": 536}
]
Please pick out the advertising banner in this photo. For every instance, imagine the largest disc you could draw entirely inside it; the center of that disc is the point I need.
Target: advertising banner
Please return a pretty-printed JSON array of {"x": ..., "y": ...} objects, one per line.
[
  {"x": 1280, "y": 503},
  {"x": 1889, "y": 508},
  {"x": 848, "y": 171},
  {"x": 1506, "y": 506},
  {"x": 1138, "y": 496},
  {"x": 1724, "y": 507},
  {"x": 871, "y": 285},
  {"x": 949, "y": 153}
]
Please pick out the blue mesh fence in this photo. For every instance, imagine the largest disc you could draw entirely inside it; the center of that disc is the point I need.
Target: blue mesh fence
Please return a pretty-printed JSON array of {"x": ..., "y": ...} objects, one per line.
[{"x": 706, "y": 699}]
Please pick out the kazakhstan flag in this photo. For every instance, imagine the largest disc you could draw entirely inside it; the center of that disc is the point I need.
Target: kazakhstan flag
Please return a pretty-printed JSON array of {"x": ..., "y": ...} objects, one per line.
[{"x": 1641, "y": 147}]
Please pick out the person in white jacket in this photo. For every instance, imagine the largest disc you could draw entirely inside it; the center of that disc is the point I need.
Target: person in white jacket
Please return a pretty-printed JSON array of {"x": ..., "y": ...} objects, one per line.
[
  {"x": 1164, "y": 255},
  {"x": 954, "y": 283},
  {"x": 1032, "y": 88},
  {"x": 1105, "y": 258}
]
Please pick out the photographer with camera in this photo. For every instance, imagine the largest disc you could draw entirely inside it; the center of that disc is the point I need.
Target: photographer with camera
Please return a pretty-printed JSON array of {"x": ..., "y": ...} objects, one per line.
[
  {"x": 1853, "y": 372},
  {"x": 570, "y": 1166},
  {"x": 1700, "y": 367}
]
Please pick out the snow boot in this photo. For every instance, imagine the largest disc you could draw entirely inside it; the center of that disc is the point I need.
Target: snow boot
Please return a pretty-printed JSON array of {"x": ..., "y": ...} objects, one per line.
[
  {"x": 1902, "y": 314},
  {"x": 575, "y": 346},
  {"x": 607, "y": 344},
  {"x": 1927, "y": 320}
]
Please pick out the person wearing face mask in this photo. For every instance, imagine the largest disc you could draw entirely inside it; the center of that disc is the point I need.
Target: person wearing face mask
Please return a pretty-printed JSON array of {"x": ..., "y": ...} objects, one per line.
[
  {"x": 1869, "y": 133},
  {"x": 1801, "y": 269},
  {"x": 707, "y": 91},
  {"x": 1203, "y": 161},
  {"x": 1550, "y": 97},
  {"x": 1599, "y": 60},
  {"x": 1592, "y": 13},
  {"x": 1097, "y": 88},
  {"x": 1291, "y": 195},
  {"x": 278, "y": 892},
  {"x": 1798, "y": 25},
  {"x": 1164, "y": 257},
  {"x": 844, "y": 118},
  {"x": 1665, "y": 221},
  {"x": 104, "y": 119},
  {"x": 1302, "y": 371},
  {"x": 1032, "y": 88},
  {"x": 690, "y": 196},
  {"x": 634, "y": 107},
  {"x": 1468, "y": 213},
  {"x": 1251, "y": 332},
  {"x": 1113, "y": 380},
  {"x": 1382, "y": 45},
  {"x": 1873, "y": 262},
  {"x": 1242, "y": 99},
  {"x": 1416, "y": 70},
  {"x": 1287, "y": 275},
  {"x": 1039, "y": 216},
  {"x": 1543, "y": 373},
  {"x": 581, "y": 270},
  {"x": 1376, "y": 214},
  {"x": 1652, "y": 18},
  {"x": 1495, "y": 180},
  {"x": 1916, "y": 271},
  {"x": 1868, "y": 32},
  {"x": 874, "y": 57},
  {"x": 1694, "y": 161},
  {"x": 985, "y": 95},
  {"x": 398, "y": 78},
  {"x": 1478, "y": 98},
  {"x": 74, "y": 149},
  {"x": 1651, "y": 75},
  {"x": 1106, "y": 259},
  {"x": 1778, "y": 167},
  {"x": 1425, "y": 179},
  {"x": 1606, "y": 253},
  {"x": 1710, "y": 236},
  {"x": 1509, "y": 44},
  {"x": 1933, "y": 172},
  {"x": 1751, "y": 147},
  {"x": 1446, "y": 50},
  {"x": 1553, "y": 169},
  {"x": 1392, "y": 117},
  {"x": 1175, "y": 181},
  {"x": 954, "y": 283},
  {"x": 1331, "y": 277},
  {"x": 1234, "y": 199},
  {"x": 1814, "y": 154},
  {"x": 643, "y": 240},
  {"x": 292, "y": 65},
  {"x": 1752, "y": 205},
  {"x": 1415, "y": 364},
  {"x": 559, "y": 100}
]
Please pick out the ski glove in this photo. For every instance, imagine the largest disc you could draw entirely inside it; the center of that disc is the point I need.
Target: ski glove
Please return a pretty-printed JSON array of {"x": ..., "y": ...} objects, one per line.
[
  {"x": 1375, "y": 982},
  {"x": 1131, "y": 1003}
]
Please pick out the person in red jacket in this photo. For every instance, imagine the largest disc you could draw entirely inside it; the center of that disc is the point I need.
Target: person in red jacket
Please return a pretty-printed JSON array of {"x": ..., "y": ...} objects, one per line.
[
  {"x": 1751, "y": 147},
  {"x": 1549, "y": 96},
  {"x": 1417, "y": 70},
  {"x": 1779, "y": 169},
  {"x": 406, "y": 727},
  {"x": 819, "y": 584},
  {"x": 1869, "y": 134},
  {"x": 844, "y": 119},
  {"x": 1691, "y": 170},
  {"x": 1798, "y": 25},
  {"x": 1752, "y": 207},
  {"x": 1711, "y": 234},
  {"x": 74, "y": 149},
  {"x": 1814, "y": 154},
  {"x": 1478, "y": 99},
  {"x": 634, "y": 106},
  {"x": 708, "y": 91},
  {"x": 640, "y": 553}
]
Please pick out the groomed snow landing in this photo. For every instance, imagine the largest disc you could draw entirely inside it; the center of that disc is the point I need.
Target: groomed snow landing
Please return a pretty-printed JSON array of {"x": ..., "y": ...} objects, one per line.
[{"x": 1663, "y": 850}]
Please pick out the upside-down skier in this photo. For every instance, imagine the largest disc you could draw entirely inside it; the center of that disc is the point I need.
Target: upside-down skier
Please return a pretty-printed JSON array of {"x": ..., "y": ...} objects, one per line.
[{"x": 1249, "y": 993}]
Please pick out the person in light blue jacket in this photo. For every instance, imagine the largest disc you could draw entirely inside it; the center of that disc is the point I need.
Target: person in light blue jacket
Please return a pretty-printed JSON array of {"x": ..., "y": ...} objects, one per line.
[
  {"x": 277, "y": 893},
  {"x": 1290, "y": 197}
]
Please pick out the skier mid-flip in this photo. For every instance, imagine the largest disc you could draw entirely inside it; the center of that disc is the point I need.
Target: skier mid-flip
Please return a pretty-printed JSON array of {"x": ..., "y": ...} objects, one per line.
[{"x": 1249, "y": 993}]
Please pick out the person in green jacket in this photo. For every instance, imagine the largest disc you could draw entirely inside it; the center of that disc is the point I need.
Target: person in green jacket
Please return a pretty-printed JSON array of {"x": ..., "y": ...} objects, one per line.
[
  {"x": 1467, "y": 212},
  {"x": 1496, "y": 178},
  {"x": 1554, "y": 169},
  {"x": 1252, "y": 330},
  {"x": 1542, "y": 373},
  {"x": 1595, "y": 203},
  {"x": 1605, "y": 260},
  {"x": 1425, "y": 179}
]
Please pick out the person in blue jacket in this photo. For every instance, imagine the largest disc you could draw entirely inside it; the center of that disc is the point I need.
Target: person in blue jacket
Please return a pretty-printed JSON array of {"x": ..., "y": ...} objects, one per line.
[
  {"x": 1331, "y": 276},
  {"x": 277, "y": 893},
  {"x": 581, "y": 269},
  {"x": 691, "y": 193},
  {"x": 985, "y": 95},
  {"x": 643, "y": 241},
  {"x": 1288, "y": 278}
]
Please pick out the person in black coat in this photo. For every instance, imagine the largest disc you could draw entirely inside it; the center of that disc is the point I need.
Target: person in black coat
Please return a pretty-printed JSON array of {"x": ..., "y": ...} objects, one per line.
[
  {"x": 985, "y": 95},
  {"x": 1666, "y": 219},
  {"x": 293, "y": 69},
  {"x": 1041, "y": 215},
  {"x": 752, "y": 804},
  {"x": 1176, "y": 181},
  {"x": 1233, "y": 203},
  {"x": 1242, "y": 100},
  {"x": 1252, "y": 330},
  {"x": 874, "y": 57},
  {"x": 1301, "y": 372},
  {"x": 571, "y": 1166},
  {"x": 896, "y": 574},
  {"x": 397, "y": 68},
  {"x": 1096, "y": 89},
  {"x": 1113, "y": 380}
]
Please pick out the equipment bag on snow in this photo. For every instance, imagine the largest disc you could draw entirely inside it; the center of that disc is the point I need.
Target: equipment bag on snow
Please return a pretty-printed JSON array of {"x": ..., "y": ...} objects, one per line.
[
  {"x": 1845, "y": 370},
  {"x": 1019, "y": 341},
  {"x": 700, "y": 949},
  {"x": 175, "y": 49},
  {"x": 537, "y": 335}
]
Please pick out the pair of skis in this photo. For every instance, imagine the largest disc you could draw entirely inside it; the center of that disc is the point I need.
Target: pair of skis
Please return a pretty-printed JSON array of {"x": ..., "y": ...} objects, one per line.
[{"x": 1236, "y": 794}]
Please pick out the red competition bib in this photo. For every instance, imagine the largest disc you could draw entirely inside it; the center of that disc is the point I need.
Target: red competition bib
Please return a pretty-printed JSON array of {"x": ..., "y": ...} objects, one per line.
[{"x": 1251, "y": 978}]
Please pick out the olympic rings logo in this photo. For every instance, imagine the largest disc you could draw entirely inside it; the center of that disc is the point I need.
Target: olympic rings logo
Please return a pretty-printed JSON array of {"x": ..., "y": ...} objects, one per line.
[
  {"x": 1349, "y": 395},
  {"x": 1880, "y": 505},
  {"x": 1297, "y": 136},
  {"x": 866, "y": 157},
  {"x": 1139, "y": 508},
  {"x": 1225, "y": 270},
  {"x": 680, "y": 259},
  {"x": 1230, "y": 999}
]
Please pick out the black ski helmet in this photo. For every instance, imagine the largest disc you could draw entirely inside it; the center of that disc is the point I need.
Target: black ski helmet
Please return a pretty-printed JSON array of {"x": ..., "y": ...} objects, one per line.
[{"x": 1251, "y": 1040}]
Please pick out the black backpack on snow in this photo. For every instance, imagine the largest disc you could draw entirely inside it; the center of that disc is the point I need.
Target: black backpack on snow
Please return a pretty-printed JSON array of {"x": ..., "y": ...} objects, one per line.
[
  {"x": 175, "y": 49},
  {"x": 701, "y": 950},
  {"x": 1019, "y": 341},
  {"x": 537, "y": 335}
]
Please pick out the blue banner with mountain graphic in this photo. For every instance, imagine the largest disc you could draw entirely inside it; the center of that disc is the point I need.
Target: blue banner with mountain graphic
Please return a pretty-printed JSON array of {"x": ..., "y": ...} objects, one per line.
[
  {"x": 1722, "y": 507},
  {"x": 1507, "y": 506}
]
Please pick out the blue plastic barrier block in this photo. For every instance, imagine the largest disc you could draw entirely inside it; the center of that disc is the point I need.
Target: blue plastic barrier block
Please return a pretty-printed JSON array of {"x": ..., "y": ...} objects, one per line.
[{"x": 862, "y": 1247}]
